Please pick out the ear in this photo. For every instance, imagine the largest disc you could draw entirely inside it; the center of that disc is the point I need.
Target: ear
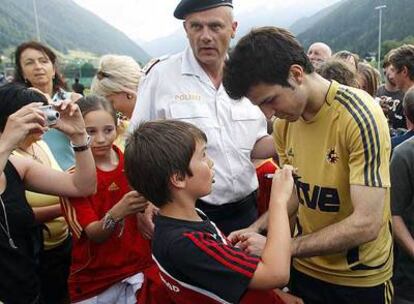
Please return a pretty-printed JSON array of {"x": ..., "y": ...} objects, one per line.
[
  {"x": 178, "y": 181},
  {"x": 185, "y": 28},
  {"x": 404, "y": 71},
  {"x": 296, "y": 73},
  {"x": 234, "y": 28}
]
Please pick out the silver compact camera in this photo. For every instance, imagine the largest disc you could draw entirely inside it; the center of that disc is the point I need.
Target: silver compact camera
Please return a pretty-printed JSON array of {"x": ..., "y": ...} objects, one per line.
[{"x": 51, "y": 114}]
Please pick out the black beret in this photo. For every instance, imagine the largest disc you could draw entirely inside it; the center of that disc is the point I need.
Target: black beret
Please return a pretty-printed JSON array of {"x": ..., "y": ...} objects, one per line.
[{"x": 186, "y": 7}]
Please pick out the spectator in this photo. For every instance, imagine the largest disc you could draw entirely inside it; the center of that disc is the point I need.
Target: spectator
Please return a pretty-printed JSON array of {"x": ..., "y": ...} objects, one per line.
[
  {"x": 339, "y": 71},
  {"x": 104, "y": 224},
  {"x": 338, "y": 139},
  {"x": 319, "y": 53},
  {"x": 196, "y": 262},
  {"x": 349, "y": 58},
  {"x": 55, "y": 258},
  {"x": 187, "y": 86},
  {"x": 408, "y": 108},
  {"x": 36, "y": 66},
  {"x": 20, "y": 236},
  {"x": 402, "y": 199},
  {"x": 389, "y": 96},
  {"x": 117, "y": 80},
  {"x": 77, "y": 87},
  {"x": 368, "y": 78},
  {"x": 402, "y": 61}
]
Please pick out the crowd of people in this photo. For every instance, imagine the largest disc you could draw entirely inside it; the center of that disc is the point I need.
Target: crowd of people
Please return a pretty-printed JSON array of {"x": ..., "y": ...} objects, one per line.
[{"x": 264, "y": 174}]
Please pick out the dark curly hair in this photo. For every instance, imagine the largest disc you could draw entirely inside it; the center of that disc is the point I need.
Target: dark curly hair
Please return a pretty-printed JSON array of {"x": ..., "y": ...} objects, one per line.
[
  {"x": 264, "y": 55},
  {"x": 403, "y": 56}
]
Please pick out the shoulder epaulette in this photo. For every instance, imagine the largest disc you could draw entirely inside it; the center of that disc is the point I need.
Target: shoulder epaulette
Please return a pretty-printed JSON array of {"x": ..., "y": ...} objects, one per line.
[{"x": 148, "y": 67}]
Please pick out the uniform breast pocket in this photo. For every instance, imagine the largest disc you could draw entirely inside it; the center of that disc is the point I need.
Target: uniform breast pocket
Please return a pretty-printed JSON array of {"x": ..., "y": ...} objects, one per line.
[
  {"x": 247, "y": 123},
  {"x": 196, "y": 113}
]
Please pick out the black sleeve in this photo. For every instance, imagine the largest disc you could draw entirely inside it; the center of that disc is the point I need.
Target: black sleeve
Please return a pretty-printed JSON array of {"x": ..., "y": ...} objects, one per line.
[
  {"x": 401, "y": 180},
  {"x": 200, "y": 260}
]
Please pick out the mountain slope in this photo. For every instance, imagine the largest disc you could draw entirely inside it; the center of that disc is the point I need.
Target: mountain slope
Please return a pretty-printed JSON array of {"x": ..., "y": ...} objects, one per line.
[
  {"x": 65, "y": 26},
  {"x": 353, "y": 25},
  {"x": 303, "y": 24}
]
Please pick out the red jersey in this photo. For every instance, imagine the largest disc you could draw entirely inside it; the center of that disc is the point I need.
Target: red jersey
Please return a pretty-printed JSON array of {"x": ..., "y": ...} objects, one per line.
[
  {"x": 97, "y": 266},
  {"x": 264, "y": 173}
]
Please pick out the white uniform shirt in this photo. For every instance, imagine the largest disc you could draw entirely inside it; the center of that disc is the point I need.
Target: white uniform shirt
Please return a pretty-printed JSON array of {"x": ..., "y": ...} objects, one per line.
[{"x": 178, "y": 88}]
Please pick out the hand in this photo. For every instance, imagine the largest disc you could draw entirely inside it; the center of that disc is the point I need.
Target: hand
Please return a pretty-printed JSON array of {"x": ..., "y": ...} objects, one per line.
[
  {"x": 282, "y": 185},
  {"x": 130, "y": 203},
  {"x": 27, "y": 120},
  {"x": 288, "y": 298},
  {"x": 71, "y": 120},
  {"x": 252, "y": 243},
  {"x": 234, "y": 237},
  {"x": 145, "y": 221}
]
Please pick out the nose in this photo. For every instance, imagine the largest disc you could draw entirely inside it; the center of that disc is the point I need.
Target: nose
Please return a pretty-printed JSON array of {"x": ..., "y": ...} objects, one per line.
[
  {"x": 37, "y": 64},
  {"x": 99, "y": 137},
  {"x": 268, "y": 111},
  {"x": 206, "y": 35},
  {"x": 210, "y": 163}
]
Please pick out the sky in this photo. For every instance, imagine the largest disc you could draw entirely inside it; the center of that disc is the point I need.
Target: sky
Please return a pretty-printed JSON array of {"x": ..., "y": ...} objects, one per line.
[{"x": 146, "y": 20}]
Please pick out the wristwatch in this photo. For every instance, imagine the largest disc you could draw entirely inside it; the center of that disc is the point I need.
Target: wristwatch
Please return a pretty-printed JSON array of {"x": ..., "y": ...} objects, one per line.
[{"x": 82, "y": 147}]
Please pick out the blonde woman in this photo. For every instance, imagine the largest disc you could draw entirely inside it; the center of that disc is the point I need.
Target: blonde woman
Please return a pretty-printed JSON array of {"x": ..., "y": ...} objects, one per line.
[{"x": 117, "y": 80}]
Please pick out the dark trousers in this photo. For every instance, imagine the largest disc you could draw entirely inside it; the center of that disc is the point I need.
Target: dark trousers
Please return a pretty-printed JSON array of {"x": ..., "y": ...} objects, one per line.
[
  {"x": 232, "y": 216},
  {"x": 314, "y": 291},
  {"x": 54, "y": 273}
]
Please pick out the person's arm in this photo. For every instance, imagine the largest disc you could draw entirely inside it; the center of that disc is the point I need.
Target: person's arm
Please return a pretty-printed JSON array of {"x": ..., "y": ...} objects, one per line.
[
  {"x": 264, "y": 148},
  {"x": 132, "y": 202},
  {"x": 29, "y": 119},
  {"x": 402, "y": 235},
  {"x": 362, "y": 226},
  {"x": 47, "y": 213},
  {"x": 274, "y": 266},
  {"x": 402, "y": 193},
  {"x": 261, "y": 224},
  {"x": 40, "y": 178}
]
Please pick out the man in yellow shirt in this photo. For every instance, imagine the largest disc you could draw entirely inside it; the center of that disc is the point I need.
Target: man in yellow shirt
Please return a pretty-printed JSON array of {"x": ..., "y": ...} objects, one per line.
[{"x": 337, "y": 138}]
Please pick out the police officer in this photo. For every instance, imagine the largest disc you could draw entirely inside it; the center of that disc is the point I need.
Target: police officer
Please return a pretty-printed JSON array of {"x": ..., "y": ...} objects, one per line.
[{"x": 187, "y": 86}]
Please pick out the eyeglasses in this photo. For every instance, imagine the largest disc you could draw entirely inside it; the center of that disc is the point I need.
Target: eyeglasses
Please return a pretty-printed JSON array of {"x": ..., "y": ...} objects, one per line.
[{"x": 101, "y": 75}]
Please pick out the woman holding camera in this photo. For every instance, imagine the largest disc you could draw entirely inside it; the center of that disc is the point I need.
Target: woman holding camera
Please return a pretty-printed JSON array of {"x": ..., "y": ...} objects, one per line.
[
  {"x": 20, "y": 234},
  {"x": 36, "y": 67}
]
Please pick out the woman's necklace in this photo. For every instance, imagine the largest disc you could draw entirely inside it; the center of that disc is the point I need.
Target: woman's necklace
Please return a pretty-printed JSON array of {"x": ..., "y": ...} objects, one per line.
[
  {"x": 33, "y": 154},
  {"x": 6, "y": 229}
]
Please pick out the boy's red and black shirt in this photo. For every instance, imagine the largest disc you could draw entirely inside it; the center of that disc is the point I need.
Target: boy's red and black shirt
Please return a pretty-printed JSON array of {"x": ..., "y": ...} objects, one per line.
[{"x": 198, "y": 254}]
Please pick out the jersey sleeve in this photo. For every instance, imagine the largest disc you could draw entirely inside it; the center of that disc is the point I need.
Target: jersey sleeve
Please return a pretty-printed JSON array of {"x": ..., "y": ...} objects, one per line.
[
  {"x": 369, "y": 146},
  {"x": 79, "y": 214},
  {"x": 279, "y": 135},
  {"x": 402, "y": 182},
  {"x": 210, "y": 265}
]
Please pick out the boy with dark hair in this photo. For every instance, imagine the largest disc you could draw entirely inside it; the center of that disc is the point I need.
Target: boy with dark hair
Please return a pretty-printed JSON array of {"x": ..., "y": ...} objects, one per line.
[
  {"x": 166, "y": 162},
  {"x": 338, "y": 139}
]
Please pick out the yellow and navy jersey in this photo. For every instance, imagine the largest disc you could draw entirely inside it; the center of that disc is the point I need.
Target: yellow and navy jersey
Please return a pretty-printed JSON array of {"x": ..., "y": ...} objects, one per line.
[{"x": 346, "y": 143}]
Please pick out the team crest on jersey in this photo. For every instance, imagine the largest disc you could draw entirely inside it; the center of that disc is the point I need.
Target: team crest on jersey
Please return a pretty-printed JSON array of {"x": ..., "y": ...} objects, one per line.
[
  {"x": 113, "y": 187},
  {"x": 332, "y": 157}
]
